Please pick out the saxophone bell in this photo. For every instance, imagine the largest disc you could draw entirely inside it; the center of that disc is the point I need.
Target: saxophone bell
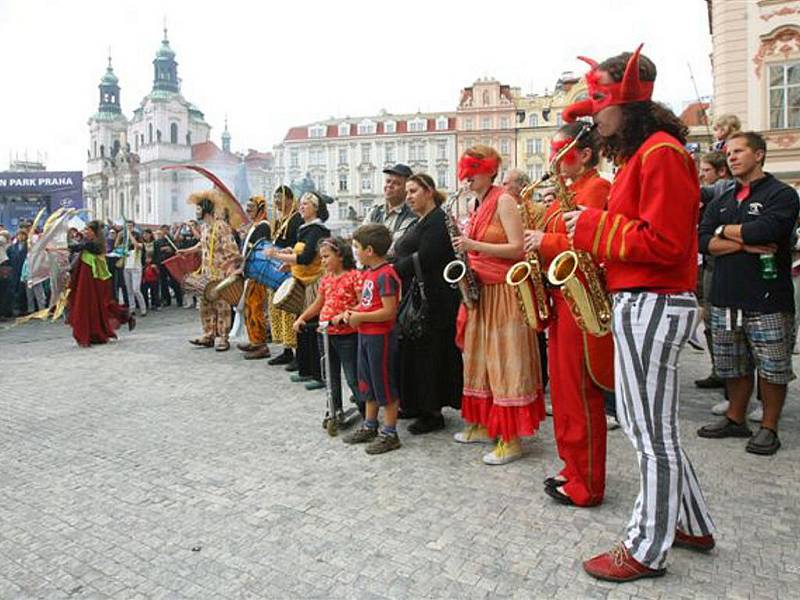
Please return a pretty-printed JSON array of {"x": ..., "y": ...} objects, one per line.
[
  {"x": 518, "y": 273},
  {"x": 562, "y": 268},
  {"x": 454, "y": 271}
]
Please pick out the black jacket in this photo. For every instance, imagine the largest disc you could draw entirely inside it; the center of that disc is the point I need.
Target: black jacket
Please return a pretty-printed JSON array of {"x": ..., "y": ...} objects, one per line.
[
  {"x": 430, "y": 239},
  {"x": 768, "y": 216}
]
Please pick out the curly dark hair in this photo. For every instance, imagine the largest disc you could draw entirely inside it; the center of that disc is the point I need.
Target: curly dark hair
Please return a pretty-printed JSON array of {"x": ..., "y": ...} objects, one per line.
[{"x": 640, "y": 120}]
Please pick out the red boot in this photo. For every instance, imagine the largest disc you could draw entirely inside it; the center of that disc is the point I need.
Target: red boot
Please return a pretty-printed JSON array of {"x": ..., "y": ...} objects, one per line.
[{"x": 619, "y": 566}]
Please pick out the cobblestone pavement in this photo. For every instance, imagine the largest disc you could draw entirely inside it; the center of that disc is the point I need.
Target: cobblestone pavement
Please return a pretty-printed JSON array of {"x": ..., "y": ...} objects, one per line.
[{"x": 150, "y": 469}]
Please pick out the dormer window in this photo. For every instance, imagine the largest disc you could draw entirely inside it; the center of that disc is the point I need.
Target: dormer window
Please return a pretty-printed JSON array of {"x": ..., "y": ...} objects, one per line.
[
  {"x": 344, "y": 129},
  {"x": 418, "y": 125},
  {"x": 316, "y": 131},
  {"x": 441, "y": 123},
  {"x": 366, "y": 127},
  {"x": 389, "y": 127}
]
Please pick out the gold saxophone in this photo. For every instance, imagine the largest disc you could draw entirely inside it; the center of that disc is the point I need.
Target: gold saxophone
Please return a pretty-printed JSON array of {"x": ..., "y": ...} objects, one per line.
[
  {"x": 526, "y": 276},
  {"x": 576, "y": 272}
]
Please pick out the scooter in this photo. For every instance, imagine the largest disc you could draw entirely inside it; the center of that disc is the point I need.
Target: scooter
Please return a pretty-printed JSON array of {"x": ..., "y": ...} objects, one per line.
[{"x": 335, "y": 419}]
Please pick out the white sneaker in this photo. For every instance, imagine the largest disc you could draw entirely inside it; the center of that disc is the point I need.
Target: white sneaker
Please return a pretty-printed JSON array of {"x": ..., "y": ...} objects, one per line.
[
  {"x": 504, "y": 453},
  {"x": 757, "y": 414},
  {"x": 720, "y": 408}
]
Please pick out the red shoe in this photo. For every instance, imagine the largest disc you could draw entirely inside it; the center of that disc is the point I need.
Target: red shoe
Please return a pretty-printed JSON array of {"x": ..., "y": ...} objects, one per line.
[
  {"x": 699, "y": 543},
  {"x": 619, "y": 566}
]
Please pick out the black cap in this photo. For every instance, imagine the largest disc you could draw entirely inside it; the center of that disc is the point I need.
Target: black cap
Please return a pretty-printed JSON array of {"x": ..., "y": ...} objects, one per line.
[{"x": 399, "y": 169}]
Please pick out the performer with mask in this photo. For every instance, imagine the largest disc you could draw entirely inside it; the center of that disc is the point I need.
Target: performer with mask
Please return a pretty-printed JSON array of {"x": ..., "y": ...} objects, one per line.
[
  {"x": 582, "y": 365},
  {"x": 647, "y": 238},
  {"x": 218, "y": 249},
  {"x": 255, "y": 294}
]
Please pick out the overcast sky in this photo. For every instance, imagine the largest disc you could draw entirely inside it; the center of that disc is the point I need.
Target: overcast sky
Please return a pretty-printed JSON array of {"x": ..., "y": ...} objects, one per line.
[{"x": 271, "y": 65}]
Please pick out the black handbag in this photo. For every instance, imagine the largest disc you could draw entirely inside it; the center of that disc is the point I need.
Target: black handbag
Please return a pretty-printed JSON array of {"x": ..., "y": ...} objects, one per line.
[{"x": 414, "y": 314}]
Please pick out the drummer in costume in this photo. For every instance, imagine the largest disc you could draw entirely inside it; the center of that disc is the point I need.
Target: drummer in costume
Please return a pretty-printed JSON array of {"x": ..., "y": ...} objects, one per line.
[
  {"x": 255, "y": 293},
  {"x": 503, "y": 395},
  {"x": 306, "y": 265},
  {"x": 581, "y": 365},
  {"x": 218, "y": 250},
  {"x": 648, "y": 241},
  {"x": 284, "y": 231}
]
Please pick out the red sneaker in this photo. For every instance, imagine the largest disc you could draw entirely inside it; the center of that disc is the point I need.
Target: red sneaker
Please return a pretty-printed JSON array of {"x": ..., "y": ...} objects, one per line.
[
  {"x": 619, "y": 566},
  {"x": 699, "y": 543}
]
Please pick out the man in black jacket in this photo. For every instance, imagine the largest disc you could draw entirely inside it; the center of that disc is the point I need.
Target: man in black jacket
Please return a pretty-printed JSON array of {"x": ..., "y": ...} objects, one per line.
[
  {"x": 748, "y": 230},
  {"x": 164, "y": 248}
]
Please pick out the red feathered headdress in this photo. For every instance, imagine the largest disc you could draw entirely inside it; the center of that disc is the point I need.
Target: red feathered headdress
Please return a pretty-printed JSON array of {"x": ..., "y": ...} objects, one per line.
[
  {"x": 469, "y": 166},
  {"x": 630, "y": 89}
]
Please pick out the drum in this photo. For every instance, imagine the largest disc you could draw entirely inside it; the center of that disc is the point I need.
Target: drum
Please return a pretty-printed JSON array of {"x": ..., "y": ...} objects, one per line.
[
  {"x": 180, "y": 265},
  {"x": 264, "y": 270},
  {"x": 228, "y": 290},
  {"x": 290, "y": 297}
]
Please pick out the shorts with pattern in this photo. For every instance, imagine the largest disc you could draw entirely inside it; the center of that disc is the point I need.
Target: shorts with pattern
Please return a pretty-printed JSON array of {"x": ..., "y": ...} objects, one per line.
[{"x": 744, "y": 341}]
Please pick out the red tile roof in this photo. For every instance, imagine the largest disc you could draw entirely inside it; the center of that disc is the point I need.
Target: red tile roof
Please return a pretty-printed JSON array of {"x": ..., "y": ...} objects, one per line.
[
  {"x": 694, "y": 115},
  {"x": 210, "y": 152},
  {"x": 332, "y": 130}
]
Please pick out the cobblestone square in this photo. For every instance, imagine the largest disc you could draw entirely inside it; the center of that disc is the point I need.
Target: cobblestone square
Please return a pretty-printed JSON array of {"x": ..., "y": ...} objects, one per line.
[{"x": 150, "y": 469}]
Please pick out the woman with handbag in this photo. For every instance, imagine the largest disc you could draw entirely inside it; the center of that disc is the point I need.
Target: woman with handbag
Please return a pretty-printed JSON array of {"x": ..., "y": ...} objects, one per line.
[{"x": 431, "y": 371}]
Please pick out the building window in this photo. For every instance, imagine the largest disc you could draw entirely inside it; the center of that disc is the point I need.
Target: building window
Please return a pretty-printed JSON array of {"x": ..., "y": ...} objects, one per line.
[
  {"x": 342, "y": 211},
  {"x": 503, "y": 122},
  {"x": 174, "y": 201},
  {"x": 537, "y": 146},
  {"x": 94, "y": 148},
  {"x": 441, "y": 178},
  {"x": 141, "y": 139},
  {"x": 504, "y": 145},
  {"x": 486, "y": 98},
  {"x": 468, "y": 124},
  {"x": 486, "y": 123},
  {"x": 418, "y": 125},
  {"x": 441, "y": 149},
  {"x": 366, "y": 153},
  {"x": 344, "y": 129},
  {"x": 149, "y": 133},
  {"x": 342, "y": 182},
  {"x": 559, "y": 120},
  {"x": 533, "y": 120},
  {"x": 366, "y": 183},
  {"x": 102, "y": 150},
  {"x": 173, "y": 133},
  {"x": 784, "y": 96},
  {"x": 412, "y": 151},
  {"x": 342, "y": 156},
  {"x": 390, "y": 153},
  {"x": 366, "y": 128},
  {"x": 188, "y": 138},
  {"x": 389, "y": 127},
  {"x": 441, "y": 123},
  {"x": 529, "y": 147},
  {"x": 158, "y": 135},
  {"x": 294, "y": 158},
  {"x": 316, "y": 131}
]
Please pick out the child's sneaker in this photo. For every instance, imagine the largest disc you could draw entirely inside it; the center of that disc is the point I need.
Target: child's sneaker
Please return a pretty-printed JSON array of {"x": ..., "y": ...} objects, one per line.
[
  {"x": 473, "y": 434},
  {"x": 504, "y": 453},
  {"x": 385, "y": 442},
  {"x": 361, "y": 436}
]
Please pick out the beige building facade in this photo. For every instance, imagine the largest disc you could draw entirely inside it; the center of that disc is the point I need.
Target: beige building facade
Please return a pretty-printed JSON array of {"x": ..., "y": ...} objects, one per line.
[{"x": 756, "y": 62}]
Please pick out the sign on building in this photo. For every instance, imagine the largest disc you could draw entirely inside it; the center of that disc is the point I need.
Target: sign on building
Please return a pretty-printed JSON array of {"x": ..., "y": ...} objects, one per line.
[{"x": 22, "y": 194}]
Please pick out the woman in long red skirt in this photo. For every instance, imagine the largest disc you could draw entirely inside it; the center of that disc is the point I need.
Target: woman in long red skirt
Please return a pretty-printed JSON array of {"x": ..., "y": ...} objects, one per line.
[{"x": 93, "y": 313}]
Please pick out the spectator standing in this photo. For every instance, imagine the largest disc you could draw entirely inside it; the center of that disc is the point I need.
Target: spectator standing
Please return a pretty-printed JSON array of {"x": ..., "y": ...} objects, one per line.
[{"x": 394, "y": 213}]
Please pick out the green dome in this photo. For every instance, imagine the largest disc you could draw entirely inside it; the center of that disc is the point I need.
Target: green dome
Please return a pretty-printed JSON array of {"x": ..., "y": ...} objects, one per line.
[
  {"x": 109, "y": 78},
  {"x": 165, "y": 51}
]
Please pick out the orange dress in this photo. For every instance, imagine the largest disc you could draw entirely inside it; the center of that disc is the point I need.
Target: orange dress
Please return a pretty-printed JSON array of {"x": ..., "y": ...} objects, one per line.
[{"x": 502, "y": 372}]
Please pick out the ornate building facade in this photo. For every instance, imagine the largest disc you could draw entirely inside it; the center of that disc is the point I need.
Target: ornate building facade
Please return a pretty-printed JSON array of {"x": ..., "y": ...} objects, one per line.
[
  {"x": 756, "y": 65},
  {"x": 124, "y": 176},
  {"x": 345, "y": 157}
]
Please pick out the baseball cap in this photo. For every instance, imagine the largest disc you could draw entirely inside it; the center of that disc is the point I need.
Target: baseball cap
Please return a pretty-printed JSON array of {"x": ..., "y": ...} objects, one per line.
[{"x": 399, "y": 169}]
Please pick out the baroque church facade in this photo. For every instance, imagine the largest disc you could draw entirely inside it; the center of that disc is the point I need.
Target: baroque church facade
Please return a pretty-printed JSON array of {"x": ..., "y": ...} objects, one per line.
[{"x": 124, "y": 175}]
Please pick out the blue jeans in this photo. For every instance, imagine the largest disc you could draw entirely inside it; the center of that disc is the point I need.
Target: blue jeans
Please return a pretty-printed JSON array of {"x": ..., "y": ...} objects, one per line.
[{"x": 343, "y": 357}]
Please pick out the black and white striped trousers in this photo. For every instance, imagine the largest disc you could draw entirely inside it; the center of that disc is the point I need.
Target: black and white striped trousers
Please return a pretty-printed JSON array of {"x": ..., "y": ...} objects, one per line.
[{"x": 650, "y": 330}]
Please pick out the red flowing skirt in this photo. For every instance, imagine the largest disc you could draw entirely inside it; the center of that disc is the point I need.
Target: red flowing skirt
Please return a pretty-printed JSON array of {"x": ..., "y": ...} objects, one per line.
[{"x": 93, "y": 313}]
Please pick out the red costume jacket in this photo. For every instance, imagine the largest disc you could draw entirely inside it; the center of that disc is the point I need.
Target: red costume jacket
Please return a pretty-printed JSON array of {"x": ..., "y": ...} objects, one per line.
[
  {"x": 647, "y": 238},
  {"x": 590, "y": 190}
]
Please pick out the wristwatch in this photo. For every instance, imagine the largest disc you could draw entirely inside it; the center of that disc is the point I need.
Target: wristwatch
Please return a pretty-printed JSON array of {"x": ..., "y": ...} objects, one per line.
[{"x": 720, "y": 232}]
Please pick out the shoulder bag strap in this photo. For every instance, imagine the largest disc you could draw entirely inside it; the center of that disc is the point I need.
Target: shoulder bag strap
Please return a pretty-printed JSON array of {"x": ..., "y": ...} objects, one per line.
[{"x": 418, "y": 273}]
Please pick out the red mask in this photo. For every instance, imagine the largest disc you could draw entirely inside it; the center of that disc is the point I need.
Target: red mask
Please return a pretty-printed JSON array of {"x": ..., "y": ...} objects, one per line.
[
  {"x": 601, "y": 95},
  {"x": 570, "y": 158},
  {"x": 469, "y": 166}
]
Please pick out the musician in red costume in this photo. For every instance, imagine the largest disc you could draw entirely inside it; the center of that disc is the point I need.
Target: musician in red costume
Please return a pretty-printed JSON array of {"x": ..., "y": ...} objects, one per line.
[
  {"x": 581, "y": 365},
  {"x": 502, "y": 396},
  {"x": 93, "y": 313},
  {"x": 648, "y": 241}
]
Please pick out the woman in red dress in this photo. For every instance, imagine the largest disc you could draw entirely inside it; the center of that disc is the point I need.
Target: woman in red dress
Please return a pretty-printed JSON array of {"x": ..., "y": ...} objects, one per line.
[{"x": 93, "y": 313}]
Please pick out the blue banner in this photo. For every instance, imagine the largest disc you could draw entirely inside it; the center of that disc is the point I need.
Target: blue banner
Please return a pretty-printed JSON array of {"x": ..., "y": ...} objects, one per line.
[{"x": 22, "y": 194}]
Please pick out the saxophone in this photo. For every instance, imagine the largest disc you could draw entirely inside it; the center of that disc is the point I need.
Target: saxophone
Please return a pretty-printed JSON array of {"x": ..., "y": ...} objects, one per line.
[
  {"x": 457, "y": 272},
  {"x": 526, "y": 276},
  {"x": 577, "y": 273}
]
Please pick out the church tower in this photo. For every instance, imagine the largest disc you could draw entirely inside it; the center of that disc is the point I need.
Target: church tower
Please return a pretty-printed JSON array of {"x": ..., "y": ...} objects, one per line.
[
  {"x": 165, "y": 68},
  {"x": 226, "y": 138}
]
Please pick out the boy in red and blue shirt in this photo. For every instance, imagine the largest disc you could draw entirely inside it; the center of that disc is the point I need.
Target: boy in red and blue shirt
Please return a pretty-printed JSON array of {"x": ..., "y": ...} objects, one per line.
[{"x": 377, "y": 341}]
